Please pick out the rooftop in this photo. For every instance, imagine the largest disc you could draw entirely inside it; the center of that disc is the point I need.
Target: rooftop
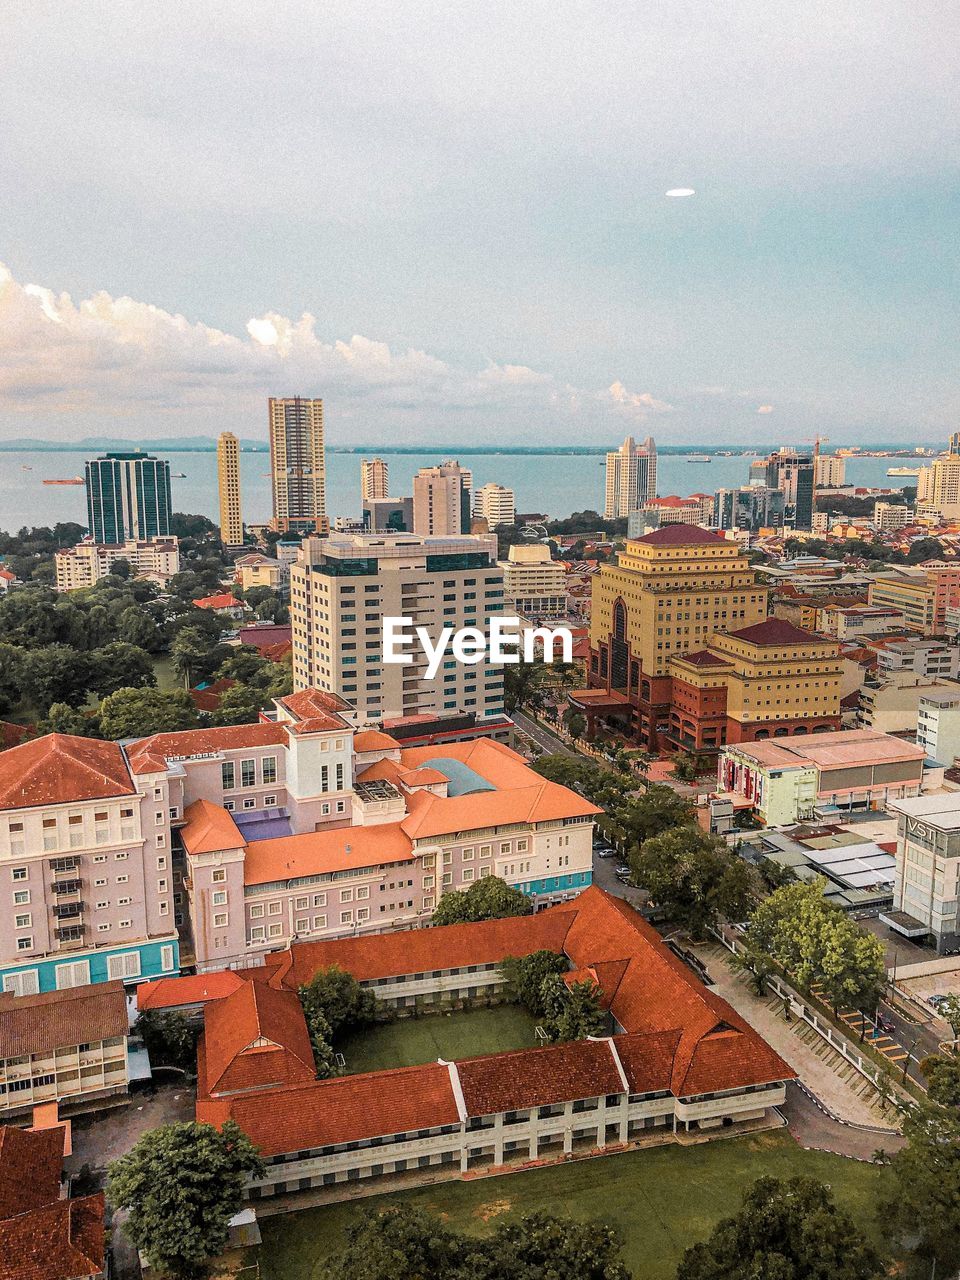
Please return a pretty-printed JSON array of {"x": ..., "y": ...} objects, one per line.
[
  {"x": 681, "y": 535},
  {"x": 59, "y": 768},
  {"x": 775, "y": 631},
  {"x": 61, "y": 1019},
  {"x": 153, "y": 754},
  {"x": 837, "y": 749}
]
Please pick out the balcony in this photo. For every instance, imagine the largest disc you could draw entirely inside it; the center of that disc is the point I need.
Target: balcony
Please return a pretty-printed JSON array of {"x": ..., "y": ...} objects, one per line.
[
  {"x": 59, "y": 865},
  {"x": 66, "y": 888},
  {"x": 67, "y": 910},
  {"x": 71, "y": 936}
]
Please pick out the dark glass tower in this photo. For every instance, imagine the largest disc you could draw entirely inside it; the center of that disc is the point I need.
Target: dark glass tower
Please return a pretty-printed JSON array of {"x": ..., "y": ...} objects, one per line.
[{"x": 128, "y": 496}]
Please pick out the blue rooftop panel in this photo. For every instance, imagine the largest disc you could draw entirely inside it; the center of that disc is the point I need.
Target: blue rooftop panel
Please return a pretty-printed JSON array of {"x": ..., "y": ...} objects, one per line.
[{"x": 461, "y": 779}]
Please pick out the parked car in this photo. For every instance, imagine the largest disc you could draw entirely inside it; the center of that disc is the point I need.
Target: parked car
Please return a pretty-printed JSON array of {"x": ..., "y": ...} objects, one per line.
[
  {"x": 623, "y": 876},
  {"x": 885, "y": 1024},
  {"x": 936, "y": 1001},
  {"x": 605, "y": 853}
]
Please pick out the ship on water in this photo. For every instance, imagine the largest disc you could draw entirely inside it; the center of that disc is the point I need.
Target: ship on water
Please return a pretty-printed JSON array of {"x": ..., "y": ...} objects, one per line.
[
  {"x": 904, "y": 471},
  {"x": 72, "y": 480}
]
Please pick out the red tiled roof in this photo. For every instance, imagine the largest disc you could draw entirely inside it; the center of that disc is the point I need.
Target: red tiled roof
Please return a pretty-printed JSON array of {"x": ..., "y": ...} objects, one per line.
[
  {"x": 648, "y": 1059},
  {"x": 59, "y": 768},
  {"x": 61, "y": 1019},
  {"x": 449, "y": 946},
  {"x": 254, "y": 1038},
  {"x": 31, "y": 1167},
  {"x": 223, "y": 600},
  {"x": 315, "y": 852},
  {"x": 173, "y": 993},
  {"x": 538, "y": 1077},
  {"x": 702, "y": 658},
  {"x": 777, "y": 631},
  {"x": 345, "y": 1109},
  {"x": 374, "y": 740},
  {"x": 61, "y": 1241},
  {"x": 150, "y": 755},
  {"x": 680, "y": 535},
  {"x": 263, "y": 637},
  {"x": 315, "y": 710},
  {"x": 208, "y": 698},
  {"x": 11, "y": 735},
  {"x": 209, "y": 829}
]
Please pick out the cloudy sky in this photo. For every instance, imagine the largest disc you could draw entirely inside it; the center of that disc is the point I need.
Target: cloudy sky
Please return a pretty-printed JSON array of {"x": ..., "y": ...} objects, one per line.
[{"x": 450, "y": 219}]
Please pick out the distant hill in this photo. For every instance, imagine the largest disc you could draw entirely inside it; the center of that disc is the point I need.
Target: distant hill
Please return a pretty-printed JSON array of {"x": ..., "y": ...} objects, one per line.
[{"x": 103, "y": 444}]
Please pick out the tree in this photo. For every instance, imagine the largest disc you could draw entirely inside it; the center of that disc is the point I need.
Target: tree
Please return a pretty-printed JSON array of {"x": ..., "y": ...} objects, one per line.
[
  {"x": 487, "y": 899},
  {"x": 525, "y": 976},
  {"x": 56, "y": 673},
  {"x": 924, "y": 1210},
  {"x": 576, "y": 723},
  {"x": 119, "y": 666},
  {"x": 403, "y": 1243},
  {"x": 694, "y": 878},
  {"x": 949, "y": 1011},
  {"x": 136, "y": 713},
  {"x": 13, "y": 660},
  {"x": 190, "y": 653},
  {"x": 321, "y": 1038},
  {"x": 181, "y": 1184},
  {"x": 134, "y": 626},
  {"x": 170, "y": 1038},
  {"x": 340, "y": 998},
  {"x": 658, "y": 809},
  {"x": 785, "y": 1230},
  {"x": 63, "y": 719},
  {"x": 943, "y": 1080},
  {"x": 571, "y": 1012}
]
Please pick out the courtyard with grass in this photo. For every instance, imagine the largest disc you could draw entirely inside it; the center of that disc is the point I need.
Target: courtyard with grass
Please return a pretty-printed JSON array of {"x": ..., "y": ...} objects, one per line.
[
  {"x": 661, "y": 1200},
  {"x": 462, "y": 1033}
]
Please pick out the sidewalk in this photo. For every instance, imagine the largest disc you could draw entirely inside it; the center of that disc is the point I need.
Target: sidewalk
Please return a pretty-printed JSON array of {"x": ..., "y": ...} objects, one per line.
[{"x": 846, "y": 1093}]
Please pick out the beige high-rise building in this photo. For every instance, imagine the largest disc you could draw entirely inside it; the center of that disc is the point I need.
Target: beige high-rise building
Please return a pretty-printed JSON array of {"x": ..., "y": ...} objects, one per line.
[
  {"x": 441, "y": 500},
  {"x": 374, "y": 479},
  {"x": 938, "y": 486},
  {"x": 496, "y": 505},
  {"x": 631, "y": 478},
  {"x": 829, "y": 471},
  {"x": 297, "y": 463},
  {"x": 344, "y": 586},
  {"x": 534, "y": 583},
  {"x": 228, "y": 478}
]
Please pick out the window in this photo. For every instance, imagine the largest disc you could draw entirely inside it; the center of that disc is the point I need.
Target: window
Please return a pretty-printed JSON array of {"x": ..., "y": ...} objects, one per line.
[
  {"x": 19, "y": 873},
  {"x": 269, "y": 802},
  {"x": 257, "y": 933},
  {"x": 319, "y": 899},
  {"x": 256, "y": 912},
  {"x": 220, "y": 920},
  {"x": 166, "y": 959},
  {"x": 228, "y": 805},
  {"x": 24, "y": 983},
  {"x": 276, "y": 930},
  {"x": 346, "y": 917},
  {"x": 269, "y": 770},
  {"x": 122, "y": 879},
  {"x": 120, "y": 857},
  {"x": 24, "y": 921},
  {"x": 49, "y": 833},
  {"x": 219, "y": 875},
  {"x": 363, "y": 913},
  {"x": 227, "y": 775},
  {"x": 24, "y": 944},
  {"x": 21, "y": 897},
  {"x": 161, "y": 864},
  {"x": 363, "y": 891},
  {"x": 125, "y": 965},
  {"x": 220, "y": 898},
  {"x": 161, "y": 886},
  {"x": 319, "y": 922},
  {"x": 248, "y": 773},
  {"x": 302, "y": 903},
  {"x": 346, "y": 895},
  {"x": 249, "y": 802},
  {"x": 124, "y": 924},
  {"x": 76, "y": 974},
  {"x": 302, "y": 925},
  {"x": 275, "y": 908}
]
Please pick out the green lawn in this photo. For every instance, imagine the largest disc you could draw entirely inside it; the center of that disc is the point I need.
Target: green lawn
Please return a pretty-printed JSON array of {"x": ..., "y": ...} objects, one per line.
[
  {"x": 167, "y": 678},
  {"x": 462, "y": 1034},
  {"x": 661, "y": 1200}
]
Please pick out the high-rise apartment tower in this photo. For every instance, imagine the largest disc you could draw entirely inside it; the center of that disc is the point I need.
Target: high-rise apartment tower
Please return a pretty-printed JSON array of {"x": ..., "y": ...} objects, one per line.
[
  {"x": 441, "y": 500},
  {"x": 297, "y": 464},
  {"x": 631, "y": 477},
  {"x": 374, "y": 479},
  {"x": 228, "y": 480}
]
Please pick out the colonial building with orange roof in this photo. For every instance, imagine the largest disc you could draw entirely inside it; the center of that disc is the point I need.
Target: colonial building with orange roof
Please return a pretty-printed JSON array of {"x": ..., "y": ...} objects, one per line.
[{"x": 676, "y": 1057}]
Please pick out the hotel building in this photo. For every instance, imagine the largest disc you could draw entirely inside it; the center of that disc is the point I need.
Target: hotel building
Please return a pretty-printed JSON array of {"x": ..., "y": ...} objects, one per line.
[
  {"x": 297, "y": 463},
  {"x": 128, "y": 496},
  {"x": 631, "y": 478},
  {"x": 374, "y": 479},
  {"x": 496, "y": 505},
  {"x": 86, "y": 563},
  {"x": 228, "y": 480},
  {"x": 926, "y": 896},
  {"x": 441, "y": 500},
  {"x": 343, "y": 587}
]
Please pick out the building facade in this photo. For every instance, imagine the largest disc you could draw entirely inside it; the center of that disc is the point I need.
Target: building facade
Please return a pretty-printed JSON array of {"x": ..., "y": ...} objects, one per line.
[
  {"x": 86, "y": 563},
  {"x": 631, "y": 478},
  {"x": 343, "y": 587},
  {"x": 128, "y": 496},
  {"x": 830, "y": 471},
  {"x": 297, "y": 463},
  {"x": 86, "y": 854},
  {"x": 496, "y": 505},
  {"x": 667, "y": 594},
  {"x": 927, "y": 889},
  {"x": 441, "y": 500},
  {"x": 890, "y": 516},
  {"x": 923, "y": 594},
  {"x": 752, "y": 507},
  {"x": 938, "y": 725},
  {"x": 388, "y": 515},
  {"x": 890, "y": 703},
  {"x": 228, "y": 482},
  {"x": 374, "y": 479},
  {"x": 697, "y": 509},
  {"x": 534, "y": 584}
]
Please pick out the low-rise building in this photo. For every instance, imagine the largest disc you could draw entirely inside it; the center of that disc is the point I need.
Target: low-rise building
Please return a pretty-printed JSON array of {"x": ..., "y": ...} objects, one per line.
[
  {"x": 8, "y": 580},
  {"x": 44, "y": 1233},
  {"x": 918, "y": 657},
  {"x": 534, "y": 584},
  {"x": 223, "y": 603},
  {"x": 890, "y": 703},
  {"x": 796, "y": 779},
  {"x": 851, "y": 621},
  {"x": 67, "y": 1047},
  {"x": 697, "y": 509},
  {"x": 890, "y": 516},
  {"x": 927, "y": 890},
  {"x": 86, "y": 563},
  {"x": 679, "y": 1058},
  {"x": 257, "y": 570},
  {"x": 938, "y": 726},
  {"x": 922, "y": 593}
]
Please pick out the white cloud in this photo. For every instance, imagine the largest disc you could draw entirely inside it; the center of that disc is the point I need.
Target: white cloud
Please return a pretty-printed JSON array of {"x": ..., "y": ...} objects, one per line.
[{"x": 117, "y": 356}]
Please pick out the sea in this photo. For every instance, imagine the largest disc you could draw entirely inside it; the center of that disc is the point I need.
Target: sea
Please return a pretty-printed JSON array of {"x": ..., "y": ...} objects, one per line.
[{"x": 553, "y": 483}]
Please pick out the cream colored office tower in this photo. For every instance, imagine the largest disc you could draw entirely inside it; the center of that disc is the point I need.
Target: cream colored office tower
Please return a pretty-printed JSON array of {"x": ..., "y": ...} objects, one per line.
[
  {"x": 496, "y": 505},
  {"x": 631, "y": 477},
  {"x": 441, "y": 500},
  {"x": 297, "y": 463},
  {"x": 343, "y": 586},
  {"x": 374, "y": 479},
  {"x": 228, "y": 479}
]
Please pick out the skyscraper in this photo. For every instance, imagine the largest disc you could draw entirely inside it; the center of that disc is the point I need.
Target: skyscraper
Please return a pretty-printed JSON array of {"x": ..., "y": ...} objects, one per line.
[
  {"x": 297, "y": 463},
  {"x": 128, "y": 496},
  {"x": 228, "y": 477},
  {"x": 496, "y": 505},
  {"x": 631, "y": 477},
  {"x": 374, "y": 479},
  {"x": 792, "y": 473},
  {"x": 441, "y": 500}
]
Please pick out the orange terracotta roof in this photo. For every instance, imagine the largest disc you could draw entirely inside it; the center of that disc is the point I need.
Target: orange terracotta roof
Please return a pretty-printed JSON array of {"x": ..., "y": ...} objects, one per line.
[
  {"x": 315, "y": 710},
  {"x": 150, "y": 755},
  {"x": 255, "y": 1038},
  {"x": 209, "y": 829},
  {"x": 31, "y": 1168},
  {"x": 60, "y": 768},
  {"x": 208, "y": 698},
  {"x": 286, "y": 857},
  {"x": 449, "y": 946},
  {"x": 647, "y": 1060},
  {"x": 345, "y": 1109},
  {"x": 374, "y": 740},
  {"x": 61, "y": 1019},
  {"x": 433, "y": 815},
  {"x": 538, "y": 1077},
  {"x": 173, "y": 993},
  {"x": 61, "y": 1241},
  {"x": 223, "y": 600}
]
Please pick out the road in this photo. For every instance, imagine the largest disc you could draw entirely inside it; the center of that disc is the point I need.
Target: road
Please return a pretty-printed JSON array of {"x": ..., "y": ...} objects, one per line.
[{"x": 542, "y": 736}]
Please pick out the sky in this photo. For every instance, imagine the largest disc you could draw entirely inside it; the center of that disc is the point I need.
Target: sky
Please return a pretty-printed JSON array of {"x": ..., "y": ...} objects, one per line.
[{"x": 450, "y": 219}]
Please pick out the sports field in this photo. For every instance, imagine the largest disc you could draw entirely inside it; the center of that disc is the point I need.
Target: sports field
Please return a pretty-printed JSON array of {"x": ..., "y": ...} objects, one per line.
[{"x": 460, "y": 1034}]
